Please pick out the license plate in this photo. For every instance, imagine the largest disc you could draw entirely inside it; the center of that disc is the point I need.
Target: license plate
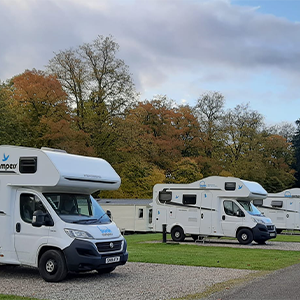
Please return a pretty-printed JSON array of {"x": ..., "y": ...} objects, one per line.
[
  {"x": 110, "y": 260},
  {"x": 272, "y": 234}
]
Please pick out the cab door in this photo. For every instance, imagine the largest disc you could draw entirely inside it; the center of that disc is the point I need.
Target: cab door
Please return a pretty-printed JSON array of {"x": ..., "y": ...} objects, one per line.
[
  {"x": 232, "y": 218},
  {"x": 28, "y": 239}
]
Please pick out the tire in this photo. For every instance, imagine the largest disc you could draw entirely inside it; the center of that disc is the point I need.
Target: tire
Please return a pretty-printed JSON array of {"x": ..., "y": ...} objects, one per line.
[
  {"x": 52, "y": 266},
  {"x": 106, "y": 270},
  {"x": 177, "y": 234},
  {"x": 245, "y": 236}
]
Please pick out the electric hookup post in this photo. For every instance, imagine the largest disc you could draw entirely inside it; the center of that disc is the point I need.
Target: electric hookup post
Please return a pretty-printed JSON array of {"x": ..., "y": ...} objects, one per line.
[{"x": 164, "y": 230}]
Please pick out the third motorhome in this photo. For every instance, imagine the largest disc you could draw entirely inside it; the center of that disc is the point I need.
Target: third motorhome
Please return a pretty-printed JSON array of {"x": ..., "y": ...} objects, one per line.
[
  {"x": 214, "y": 206},
  {"x": 283, "y": 208}
]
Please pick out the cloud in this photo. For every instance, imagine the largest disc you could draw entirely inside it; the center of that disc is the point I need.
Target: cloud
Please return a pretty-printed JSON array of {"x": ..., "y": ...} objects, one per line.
[{"x": 203, "y": 42}]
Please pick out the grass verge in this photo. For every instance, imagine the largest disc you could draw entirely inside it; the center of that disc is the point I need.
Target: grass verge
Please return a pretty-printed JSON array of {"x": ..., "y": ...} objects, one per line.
[{"x": 141, "y": 249}]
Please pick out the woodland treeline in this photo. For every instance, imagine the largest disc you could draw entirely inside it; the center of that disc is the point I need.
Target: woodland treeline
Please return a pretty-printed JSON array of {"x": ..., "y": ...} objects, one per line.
[{"x": 85, "y": 102}]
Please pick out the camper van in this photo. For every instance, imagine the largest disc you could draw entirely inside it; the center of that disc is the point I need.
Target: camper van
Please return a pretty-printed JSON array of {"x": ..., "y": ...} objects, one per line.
[
  {"x": 48, "y": 218},
  {"x": 283, "y": 208},
  {"x": 130, "y": 215},
  {"x": 214, "y": 206}
]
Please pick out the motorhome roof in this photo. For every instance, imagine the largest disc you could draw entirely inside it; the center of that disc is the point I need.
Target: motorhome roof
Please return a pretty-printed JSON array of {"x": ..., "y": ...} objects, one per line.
[
  {"x": 290, "y": 193},
  {"x": 231, "y": 186},
  {"x": 57, "y": 169}
]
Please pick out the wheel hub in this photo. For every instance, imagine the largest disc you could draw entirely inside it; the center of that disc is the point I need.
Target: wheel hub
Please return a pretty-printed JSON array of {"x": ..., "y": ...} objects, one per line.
[
  {"x": 244, "y": 236},
  {"x": 50, "y": 266}
]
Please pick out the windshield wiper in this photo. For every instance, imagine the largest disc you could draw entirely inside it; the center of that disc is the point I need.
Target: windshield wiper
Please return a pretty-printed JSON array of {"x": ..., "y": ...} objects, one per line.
[{"x": 85, "y": 221}]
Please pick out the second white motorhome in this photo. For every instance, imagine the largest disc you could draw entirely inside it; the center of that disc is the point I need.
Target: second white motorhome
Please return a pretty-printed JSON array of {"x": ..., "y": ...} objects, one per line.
[
  {"x": 283, "y": 208},
  {"x": 214, "y": 206},
  {"x": 130, "y": 215},
  {"x": 48, "y": 218}
]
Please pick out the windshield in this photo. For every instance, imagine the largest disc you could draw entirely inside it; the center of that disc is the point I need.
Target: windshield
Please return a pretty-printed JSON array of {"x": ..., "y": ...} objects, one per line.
[
  {"x": 77, "y": 208},
  {"x": 250, "y": 208}
]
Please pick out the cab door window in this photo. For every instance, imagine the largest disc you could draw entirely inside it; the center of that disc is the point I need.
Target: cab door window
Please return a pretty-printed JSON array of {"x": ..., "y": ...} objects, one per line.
[
  {"x": 28, "y": 204},
  {"x": 231, "y": 209}
]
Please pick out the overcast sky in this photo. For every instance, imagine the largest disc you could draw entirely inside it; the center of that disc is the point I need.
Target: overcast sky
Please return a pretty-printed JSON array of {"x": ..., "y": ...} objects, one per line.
[{"x": 247, "y": 50}]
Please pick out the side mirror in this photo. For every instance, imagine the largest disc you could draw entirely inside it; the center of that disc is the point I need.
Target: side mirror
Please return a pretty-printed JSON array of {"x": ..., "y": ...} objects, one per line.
[
  {"x": 108, "y": 212},
  {"x": 39, "y": 219}
]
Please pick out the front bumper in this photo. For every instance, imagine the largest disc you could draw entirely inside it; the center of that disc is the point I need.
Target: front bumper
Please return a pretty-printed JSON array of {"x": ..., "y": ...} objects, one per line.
[
  {"x": 83, "y": 256},
  {"x": 263, "y": 233}
]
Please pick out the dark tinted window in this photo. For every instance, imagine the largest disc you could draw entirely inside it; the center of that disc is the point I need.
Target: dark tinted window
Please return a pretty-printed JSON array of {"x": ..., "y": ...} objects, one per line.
[
  {"x": 189, "y": 199},
  {"x": 230, "y": 186},
  {"x": 28, "y": 165}
]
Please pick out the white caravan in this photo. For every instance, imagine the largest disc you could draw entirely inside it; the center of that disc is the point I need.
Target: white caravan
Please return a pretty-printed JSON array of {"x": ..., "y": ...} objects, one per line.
[
  {"x": 283, "y": 208},
  {"x": 214, "y": 206},
  {"x": 130, "y": 215},
  {"x": 49, "y": 220}
]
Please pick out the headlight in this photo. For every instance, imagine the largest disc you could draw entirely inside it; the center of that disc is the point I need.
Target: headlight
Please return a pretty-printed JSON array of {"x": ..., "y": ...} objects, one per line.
[
  {"x": 258, "y": 221},
  {"x": 78, "y": 234}
]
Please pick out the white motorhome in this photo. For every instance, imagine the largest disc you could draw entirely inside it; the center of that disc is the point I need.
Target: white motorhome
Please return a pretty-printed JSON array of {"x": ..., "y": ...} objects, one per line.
[
  {"x": 214, "y": 206},
  {"x": 130, "y": 215},
  {"x": 283, "y": 208},
  {"x": 48, "y": 218}
]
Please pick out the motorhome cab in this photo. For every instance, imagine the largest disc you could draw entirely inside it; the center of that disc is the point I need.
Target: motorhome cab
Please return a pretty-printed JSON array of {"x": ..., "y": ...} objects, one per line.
[
  {"x": 283, "y": 208},
  {"x": 48, "y": 218},
  {"x": 215, "y": 206}
]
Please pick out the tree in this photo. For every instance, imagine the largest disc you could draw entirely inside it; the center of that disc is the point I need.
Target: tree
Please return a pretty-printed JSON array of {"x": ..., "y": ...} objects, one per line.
[
  {"x": 209, "y": 109},
  {"x": 44, "y": 114},
  {"x": 296, "y": 146}
]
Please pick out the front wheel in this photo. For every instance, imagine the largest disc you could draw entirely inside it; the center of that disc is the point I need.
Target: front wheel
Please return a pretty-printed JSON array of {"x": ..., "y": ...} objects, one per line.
[
  {"x": 245, "y": 236},
  {"x": 177, "y": 234},
  {"x": 52, "y": 266}
]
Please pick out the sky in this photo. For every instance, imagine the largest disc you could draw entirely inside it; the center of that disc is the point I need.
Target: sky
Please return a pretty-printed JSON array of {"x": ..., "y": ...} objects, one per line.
[{"x": 247, "y": 50}]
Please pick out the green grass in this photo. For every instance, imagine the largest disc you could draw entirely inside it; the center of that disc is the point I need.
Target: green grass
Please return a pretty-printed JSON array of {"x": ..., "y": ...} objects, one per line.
[
  {"x": 287, "y": 238},
  {"x": 141, "y": 248}
]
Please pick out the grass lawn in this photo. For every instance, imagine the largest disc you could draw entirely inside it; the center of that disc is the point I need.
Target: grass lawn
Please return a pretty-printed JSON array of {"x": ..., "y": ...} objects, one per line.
[{"x": 141, "y": 249}]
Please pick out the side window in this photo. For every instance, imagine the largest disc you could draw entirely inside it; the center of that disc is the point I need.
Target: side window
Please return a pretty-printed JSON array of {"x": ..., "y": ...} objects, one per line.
[
  {"x": 189, "y": 199},
  {"x": 150, "y": 215},
  {"x": 231, "y": 209},
  {"x": 28, "y": 204},
  {"x": 141, "y": 213}
]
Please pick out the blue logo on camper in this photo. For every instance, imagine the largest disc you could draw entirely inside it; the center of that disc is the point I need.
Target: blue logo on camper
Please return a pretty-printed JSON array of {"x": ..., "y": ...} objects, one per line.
[
  {"x": 288, "y": 194},
  {"x": 105, "y": 230},
  {"x": 202, "y": 184},
  {"x": 5, "y": 158},
  {"x": 177, "y": 197},
  {"x": 240, "y": 186}
]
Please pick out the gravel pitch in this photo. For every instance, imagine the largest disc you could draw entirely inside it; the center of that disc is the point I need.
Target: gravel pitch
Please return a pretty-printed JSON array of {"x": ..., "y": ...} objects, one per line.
[{"x": 131, "y": 281}]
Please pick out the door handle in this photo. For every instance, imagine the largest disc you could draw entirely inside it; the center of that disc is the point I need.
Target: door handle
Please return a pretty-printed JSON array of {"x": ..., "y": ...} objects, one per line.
[
  {"x": 18, "y": 227},
  {"x": 223, "y": 217},
  {"x": 202, "y": 216}
]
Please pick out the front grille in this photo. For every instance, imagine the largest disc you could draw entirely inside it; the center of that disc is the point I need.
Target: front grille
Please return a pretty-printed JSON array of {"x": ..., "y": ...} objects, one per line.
[
  {"x": 109, "y": 246},
  {"x": 270, "y": 227}
]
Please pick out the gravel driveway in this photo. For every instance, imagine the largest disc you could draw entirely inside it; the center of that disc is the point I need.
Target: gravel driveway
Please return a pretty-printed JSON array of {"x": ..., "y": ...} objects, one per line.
[{"x": 131, "y": 281}]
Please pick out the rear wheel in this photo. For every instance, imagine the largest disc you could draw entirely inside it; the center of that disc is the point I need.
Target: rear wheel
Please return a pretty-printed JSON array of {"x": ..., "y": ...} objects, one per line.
[
  {"x": 245, "y": 236},
  {"x": 52, "y": 266},
  {"x": 177, "y": 234}
]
